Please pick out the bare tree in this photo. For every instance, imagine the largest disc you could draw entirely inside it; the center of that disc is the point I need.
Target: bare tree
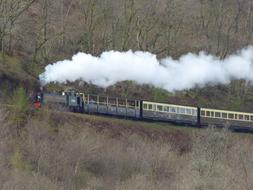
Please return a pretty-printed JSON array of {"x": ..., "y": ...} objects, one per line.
[{"x": 10, "y": 12}]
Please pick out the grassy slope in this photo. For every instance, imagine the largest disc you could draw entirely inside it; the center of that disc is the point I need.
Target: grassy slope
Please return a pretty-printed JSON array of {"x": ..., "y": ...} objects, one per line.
[
  {"x": 119, "y": 127},
  {"x": 68, "y": 151},
  {"x": 12, "y": 75}
]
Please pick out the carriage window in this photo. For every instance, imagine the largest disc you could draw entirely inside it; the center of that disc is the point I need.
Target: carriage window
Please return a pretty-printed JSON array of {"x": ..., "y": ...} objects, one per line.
[
  {"x": 130, "y": 103},
  {"x": 194, "y": 112},
  {"x": 172, "y": 110},
  {"x": 240, "y": 116},
  {"x": 251, "y": 118},
  {"x": 121, "y": 102},
  {"x": 189, "y": 111},
  {"x": 246, "y": 117},
  {"x": 150, "y": 106},
  {"x": 212, "y": 114},
  {"x": 224, "y": 115},
  {"x": 145, "y": 106},
  {"x": 231, "y": 116},
  {"x": 160, "y": 108},
  {"x": 236, "y": 116},
  {"x": 182, "y": 110},
  {"x": 166, "y": 108},
  {"x": 217, "y": 114},
  {"x": 112, "y": 101},
  {"x": 208, "y": 113}
]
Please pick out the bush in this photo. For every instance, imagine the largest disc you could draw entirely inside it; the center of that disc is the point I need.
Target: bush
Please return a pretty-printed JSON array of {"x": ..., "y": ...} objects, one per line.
[
  {"x": 20, "y": 100},
  {"x": 78, "y": 157}
]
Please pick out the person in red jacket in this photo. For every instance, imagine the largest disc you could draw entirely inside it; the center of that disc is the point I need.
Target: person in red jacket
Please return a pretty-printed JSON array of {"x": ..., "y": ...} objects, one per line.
[{"x": 37, "y": 101}]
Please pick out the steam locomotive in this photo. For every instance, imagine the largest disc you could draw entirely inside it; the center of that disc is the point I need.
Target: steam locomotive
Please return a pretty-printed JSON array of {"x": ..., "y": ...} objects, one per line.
[{"x": 146, "y": 110}]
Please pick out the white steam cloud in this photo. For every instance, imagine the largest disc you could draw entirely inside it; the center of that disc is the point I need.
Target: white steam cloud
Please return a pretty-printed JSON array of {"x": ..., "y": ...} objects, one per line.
[{"x": 188, "y": 71}]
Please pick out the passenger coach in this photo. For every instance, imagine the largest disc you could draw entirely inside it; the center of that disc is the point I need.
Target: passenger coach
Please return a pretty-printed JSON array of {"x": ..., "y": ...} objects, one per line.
[{"x": 146, "y": 110}]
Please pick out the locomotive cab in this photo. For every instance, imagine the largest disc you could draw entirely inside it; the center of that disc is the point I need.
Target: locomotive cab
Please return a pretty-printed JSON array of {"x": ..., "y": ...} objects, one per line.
[{"x": 74, "y": 101}]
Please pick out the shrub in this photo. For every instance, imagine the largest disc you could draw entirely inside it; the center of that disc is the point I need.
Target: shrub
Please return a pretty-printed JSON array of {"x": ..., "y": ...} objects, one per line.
[{"x": 21, "y": 103}]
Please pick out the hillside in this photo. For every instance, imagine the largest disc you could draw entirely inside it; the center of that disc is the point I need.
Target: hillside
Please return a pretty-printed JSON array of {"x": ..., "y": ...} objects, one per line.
[
  {"x": 57, "y": 150},
  {"x": 12, "y": 75},
  {"x": 40, "y": 32},
  {"x": 49, "y": 149}
]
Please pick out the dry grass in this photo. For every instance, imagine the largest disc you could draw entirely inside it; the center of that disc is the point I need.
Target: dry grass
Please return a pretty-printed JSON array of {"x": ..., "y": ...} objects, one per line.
[{"x": 76, "y": 155}]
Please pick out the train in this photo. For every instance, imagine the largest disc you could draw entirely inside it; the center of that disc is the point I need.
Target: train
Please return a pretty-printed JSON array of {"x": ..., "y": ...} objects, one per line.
[{"x": 146, "y": 110}]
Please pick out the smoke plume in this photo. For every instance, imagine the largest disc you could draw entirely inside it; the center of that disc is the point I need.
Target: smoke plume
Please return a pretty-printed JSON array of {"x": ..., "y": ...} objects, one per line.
[{"x": 189, "y": 71}]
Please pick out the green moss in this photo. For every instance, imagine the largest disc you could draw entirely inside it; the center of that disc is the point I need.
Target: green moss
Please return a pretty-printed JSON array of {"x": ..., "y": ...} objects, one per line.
[
  {"x": 55, "y": 87},
  {"x": 160, "y": 95},
  {"x": 236, "y": 103},
  {"x": 22, "y": 107},
  {"x": 83, "y": 177},
  {"x": 12, "y": 69},
  {"x": 12, "y": 76},
  {"x": 10, "y": 66},
  {"x": 18, "y": 162}
]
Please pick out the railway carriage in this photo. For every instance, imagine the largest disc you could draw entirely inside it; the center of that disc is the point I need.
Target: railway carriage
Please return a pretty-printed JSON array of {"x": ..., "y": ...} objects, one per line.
[{"x": 146, "y": 110}]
